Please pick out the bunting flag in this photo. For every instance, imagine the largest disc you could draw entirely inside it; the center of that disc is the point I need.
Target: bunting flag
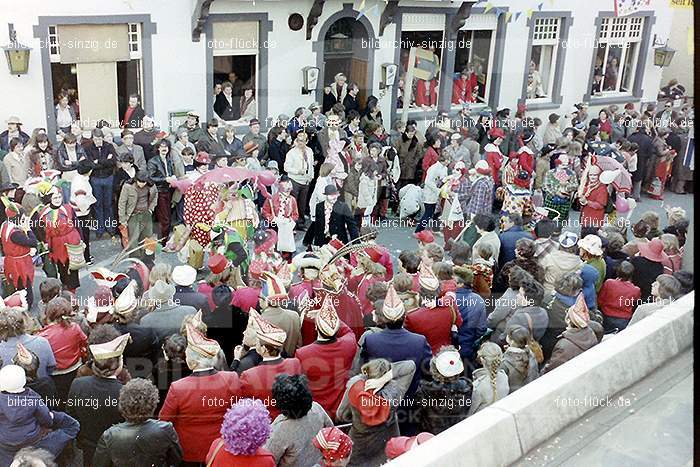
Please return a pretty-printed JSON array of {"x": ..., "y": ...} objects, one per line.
[
  {"x": 517, "y": 15},
  {"x": 509, "y": 15},
  {"x": 529, "y": 13},
  {"x": 488, "y": 7},
  {"x": 498, "y": 12},
  {"x": 539, "y": 7}
]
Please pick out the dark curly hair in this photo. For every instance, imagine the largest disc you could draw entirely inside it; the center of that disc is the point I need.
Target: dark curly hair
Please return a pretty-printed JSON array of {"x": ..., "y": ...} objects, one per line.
[
  {"x": 292, "y": 395},
  {"x": 138, "y": 400},
  {"x": 533, "y": 291}
]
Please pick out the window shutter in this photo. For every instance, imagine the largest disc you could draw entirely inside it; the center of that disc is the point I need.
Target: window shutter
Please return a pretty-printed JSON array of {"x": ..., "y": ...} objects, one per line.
[{"x": 93, "y": 43}]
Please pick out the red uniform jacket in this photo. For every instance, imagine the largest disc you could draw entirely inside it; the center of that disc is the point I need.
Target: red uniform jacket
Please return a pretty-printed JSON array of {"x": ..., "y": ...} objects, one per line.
[
  {"x": 18, "y": 262},
  {"x": 257, "y": 382},
  {"x": 308, "y": 326},
  {"x": 59, "y": 225},
  {"x": 246, "y": 298},
  {"x": 494, "y": 158},
  {"x": 327, "y": 365},
  {"x": 196, "y": 405},
  {"x": 271, "y": 208},
  {"x": 384, "y": 260},
  {"x": 435, "y": 324},
  {"x": 431, "y": 156}
]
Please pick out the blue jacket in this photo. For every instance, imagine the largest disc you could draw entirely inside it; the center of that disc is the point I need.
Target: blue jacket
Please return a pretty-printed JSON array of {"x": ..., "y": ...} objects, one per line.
[
  {"x": 397, "y": 345},
  {"x": 589, "y": 274},
  {"x": 190, "y": 297},
  {"x": 473, "y": 310},
  {"x": 23, "y": 417},
  {"x": 508, "y": 239}
]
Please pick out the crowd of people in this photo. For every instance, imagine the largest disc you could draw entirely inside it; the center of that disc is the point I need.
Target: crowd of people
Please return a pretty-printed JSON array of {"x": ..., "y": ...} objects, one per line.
[{"x": 306, "y": 341}]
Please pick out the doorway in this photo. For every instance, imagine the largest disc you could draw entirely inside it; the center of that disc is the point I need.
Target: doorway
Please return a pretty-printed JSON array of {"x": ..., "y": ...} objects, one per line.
[{"x": 346, "y": 49}]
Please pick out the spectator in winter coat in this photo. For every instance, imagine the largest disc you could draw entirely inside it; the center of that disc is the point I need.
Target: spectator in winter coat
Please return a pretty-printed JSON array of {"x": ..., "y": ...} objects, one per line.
[
  {"x": 444, "y": 401},
  {"x": 519, "y": 362},
  {"x": 552, "y": 131},
  {"x": 473, "y": 310},
  {"x": 529, "y": 312},
  {"x": 560, "y": 261},
  {"x": 577, "y": 338},
  {"x": 664, "y": 290},
  {"x": 434, "y": 178},
  {"x": 567, "y": 289},
  {"x": 490, "y": 381},
  {"x": 512, "y": 231},
  {"x": 618, "y": 298}
]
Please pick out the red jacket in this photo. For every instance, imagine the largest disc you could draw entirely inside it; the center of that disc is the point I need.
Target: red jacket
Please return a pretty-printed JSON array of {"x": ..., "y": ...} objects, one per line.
[
  {"x": 246, "y": 298},
  {"x": 257, "y": 382},
  {"x": 348, "y": 308},
  {"x": 271, "y": 208},
  {"x": 495, "y": 159},
  {"x": 425, "y": 96},
  {"x": 196, "y": 405},
  {"x": 327, "y": 364},
  {"x": 618, "y": 298},
  {"x": 593, "y": 212},
  {"x": 18, "y": 262},
  {"x": 430, "y": 157},
  {"x": 261, "y": 458},
  {"x": 68, "y": 343},
  {"x": 435, "y": 324},
  {"x": 462, "y": 89}
]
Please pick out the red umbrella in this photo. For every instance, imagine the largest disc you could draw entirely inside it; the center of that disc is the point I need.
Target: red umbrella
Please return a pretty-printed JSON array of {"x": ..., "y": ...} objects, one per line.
[{"x": 236, "y": 174}]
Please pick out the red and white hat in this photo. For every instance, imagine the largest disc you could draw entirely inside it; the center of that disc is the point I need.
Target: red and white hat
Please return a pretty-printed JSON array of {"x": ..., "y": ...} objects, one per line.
[
  {"x": 284, "y": 274},
  {"x": 578, "y": 312},
  {"x": 449, "y": 363},
  {"x": 333, "y": 444},
  {"x": 257, "y": 268},
  {"x": 273, "y": 289},
  {"x": 373, "y": 253},
  {"x": 104, "y": 276},
  {"x": 199, "y": 343},
  {"x": 24, "y": 355},
  {"x": 267, "y": 332},
  {"x": 334, "y": 245},
  {"x": 427, "y": 279},
  {"x": 327, "y": 320},
  {"x": 393, "y": 308},
  {"x": 126, "y": 302},
  {"x": 217, "y": 263},
  {"x": 112, "y": 349},
  {"x": 307, "y": 260},
  {"x": 482, "y": 167}
]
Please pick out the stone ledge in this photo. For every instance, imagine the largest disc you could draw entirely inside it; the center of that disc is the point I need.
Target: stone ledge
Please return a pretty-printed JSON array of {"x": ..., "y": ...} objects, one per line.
[{"x": 536, "y": 412}]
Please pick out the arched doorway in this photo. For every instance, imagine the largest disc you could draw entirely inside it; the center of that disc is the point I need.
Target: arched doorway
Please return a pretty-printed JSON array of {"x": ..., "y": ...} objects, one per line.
[{"x": 346, "y": 45}]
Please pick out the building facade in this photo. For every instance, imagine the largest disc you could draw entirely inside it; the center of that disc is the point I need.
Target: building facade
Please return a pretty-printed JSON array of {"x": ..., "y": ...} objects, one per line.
[{"x": 172, "y": 53}]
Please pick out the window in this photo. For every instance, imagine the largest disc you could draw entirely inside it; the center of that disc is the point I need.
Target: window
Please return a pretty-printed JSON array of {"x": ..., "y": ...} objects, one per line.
[
  {"x": 236, "y": 50},
  {"x": 616, "y": 54},
  {"x": 543, "y": 58},
  {"x": 429, "y": 49},
  {"x": 54, "y": 49},
  {"x": 474, "y": 59}
]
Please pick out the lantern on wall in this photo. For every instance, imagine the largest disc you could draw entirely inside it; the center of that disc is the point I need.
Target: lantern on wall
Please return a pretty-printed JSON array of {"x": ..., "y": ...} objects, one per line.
[
  {"x": 310, "y": 79},
  {"x": 17, "y": 55},
  {"x": 663, "y": 54}
]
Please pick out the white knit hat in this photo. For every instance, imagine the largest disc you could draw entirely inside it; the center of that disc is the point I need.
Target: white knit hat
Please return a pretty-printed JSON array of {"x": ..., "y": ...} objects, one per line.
[{"x": 12, "y": 379}]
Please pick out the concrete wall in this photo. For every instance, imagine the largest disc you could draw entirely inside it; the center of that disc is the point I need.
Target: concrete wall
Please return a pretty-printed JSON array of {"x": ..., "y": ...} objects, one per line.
[{"x": 505, "y": 431}]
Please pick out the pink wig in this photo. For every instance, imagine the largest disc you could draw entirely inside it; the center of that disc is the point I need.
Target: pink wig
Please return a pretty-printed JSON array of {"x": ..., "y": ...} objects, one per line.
[{"x": 246, "y": 427}]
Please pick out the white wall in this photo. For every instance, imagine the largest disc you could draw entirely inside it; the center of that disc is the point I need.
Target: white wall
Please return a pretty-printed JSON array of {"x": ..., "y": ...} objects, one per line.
[
  {"x": 681, "y": 66},
  {"x": 179, "y": 64}
]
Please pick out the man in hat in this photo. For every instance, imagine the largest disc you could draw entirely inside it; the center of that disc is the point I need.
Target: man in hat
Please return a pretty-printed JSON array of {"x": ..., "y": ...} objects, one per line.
[
  {"x": 437, "y": 318},
  {"x": 184, "y": 276},
  {"x": 333, "y": 219},
  {"x": 335, "y": 447},
  {"x": 14, "y": 130},
  {"x": 18, "y": 244},
  {"x": 97, "y": 393},
  {"x": 256, "y": 137},
  {"x": 136, "y": 151},
  {"x": 191, "y": 125},
  {"x": 167, "y": 315},
  {"x": 493, "y": 155},
  {"x": 327, "y": 361},
  {"x": 196, "y": 404},
  {"x": 333, "y": 282},
  {"x": 273, "y": 296},
  {"x": 210, "y": 141},
  {"x": 590, "y": 249},
  {"x": 161, "y": 172},
  {"x": 257, "y": 382},
  {"x": 394, "y": 342},
  {"x": 104, "y": 160},
  {"x": 137, "y": 202}
]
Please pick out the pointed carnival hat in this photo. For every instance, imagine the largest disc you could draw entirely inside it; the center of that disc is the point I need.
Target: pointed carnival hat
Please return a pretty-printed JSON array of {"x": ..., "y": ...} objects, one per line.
[
  {"x": 333, "y": 444},
  {"x": 284, "y": 274},
  {"x": 24, "y": 355},
  {"x": 327, "y": 320},
  {"x": 273, "y": 289},
  {"x": 427, "y": 279},
  {"x": 199, "y": 343},
  {"x": 126, "y": 302},
  {"x": 393, "y": 308},
  {"x": 267, "y": 332},
  {"x": 112, "y": 349}
]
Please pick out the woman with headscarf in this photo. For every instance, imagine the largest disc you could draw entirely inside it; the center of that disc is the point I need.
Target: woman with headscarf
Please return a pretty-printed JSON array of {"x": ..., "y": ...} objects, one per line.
[
  {"x": 370, "y": 403},
  {"x": 576, "y": 339},
  {"x": 559, "y": 186}
]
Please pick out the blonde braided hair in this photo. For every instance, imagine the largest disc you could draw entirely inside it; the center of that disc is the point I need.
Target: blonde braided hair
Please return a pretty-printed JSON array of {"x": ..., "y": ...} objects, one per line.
[{"x": 490, "y": 355}]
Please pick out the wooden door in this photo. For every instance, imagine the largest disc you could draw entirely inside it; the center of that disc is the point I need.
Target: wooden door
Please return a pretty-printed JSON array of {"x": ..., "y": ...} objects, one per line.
[{"x": 358, "y": 74}]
